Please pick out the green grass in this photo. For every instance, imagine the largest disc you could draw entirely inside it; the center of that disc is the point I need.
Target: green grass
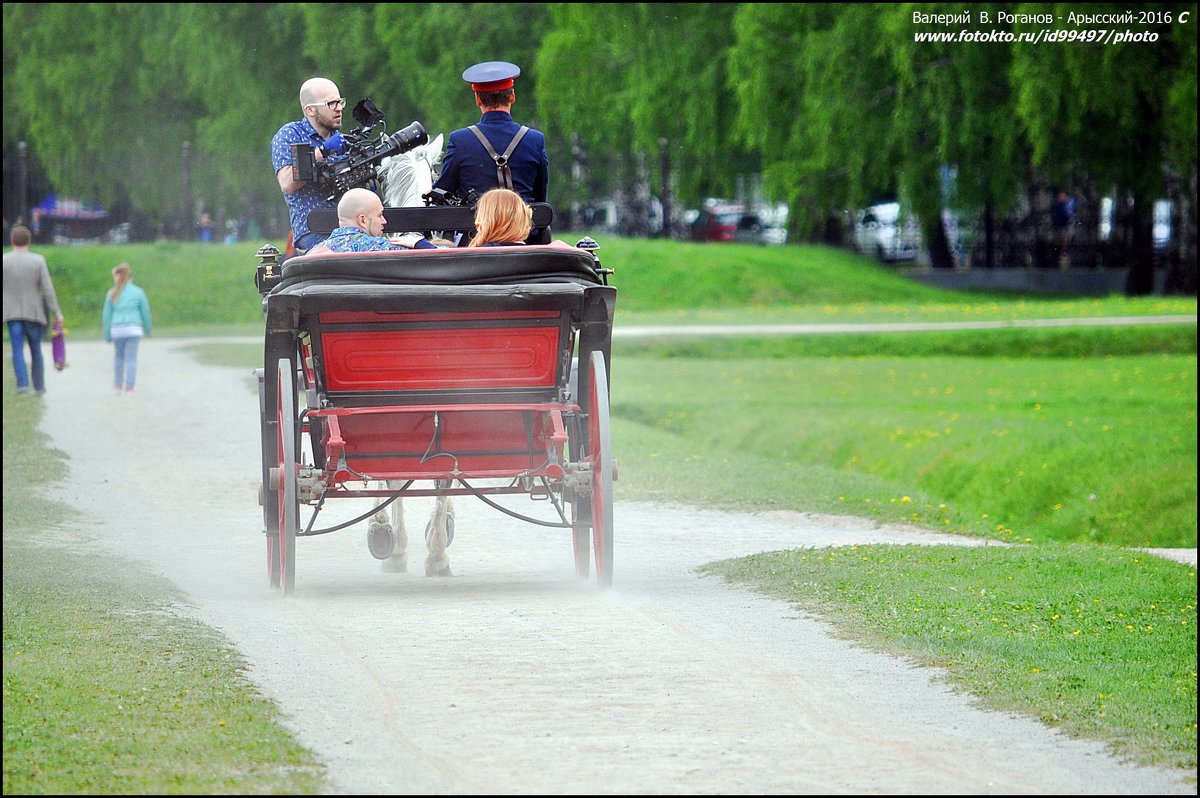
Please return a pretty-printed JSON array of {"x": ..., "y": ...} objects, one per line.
[
  {"x": 109, "y": 686},
  {"x": 195, "y": 287},
  {"x": 1091, "y": 449},
  {"x": 1095, "y": 641},
  {"x": 1012, "y": 344}
]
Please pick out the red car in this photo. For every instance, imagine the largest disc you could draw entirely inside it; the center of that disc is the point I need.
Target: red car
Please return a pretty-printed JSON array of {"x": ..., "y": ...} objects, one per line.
[{"x": 716, "y": 224}]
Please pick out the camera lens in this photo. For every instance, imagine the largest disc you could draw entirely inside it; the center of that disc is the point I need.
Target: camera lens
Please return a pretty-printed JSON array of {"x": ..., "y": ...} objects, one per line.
[{"x": 410, "y": 137}]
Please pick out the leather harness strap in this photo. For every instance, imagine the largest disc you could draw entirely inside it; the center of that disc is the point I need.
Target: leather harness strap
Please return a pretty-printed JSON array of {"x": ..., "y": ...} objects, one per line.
[{"x": 503, "y": 172}]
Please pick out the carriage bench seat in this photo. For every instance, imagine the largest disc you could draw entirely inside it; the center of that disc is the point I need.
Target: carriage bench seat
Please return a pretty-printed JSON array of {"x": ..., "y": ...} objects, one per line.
[
  {"x": 544, "y": 263},
  {"x": 451, "y": 326}
]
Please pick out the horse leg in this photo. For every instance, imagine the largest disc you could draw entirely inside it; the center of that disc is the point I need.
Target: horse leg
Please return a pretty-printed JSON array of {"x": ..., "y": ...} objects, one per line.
[{"x": 438, "y": 534}]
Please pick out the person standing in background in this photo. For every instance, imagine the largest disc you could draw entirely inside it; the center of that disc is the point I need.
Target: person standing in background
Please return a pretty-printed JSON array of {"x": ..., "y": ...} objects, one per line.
[
  {"x": 126, "y": 320},
  {"x": 29, "y": 302},
  {"x": 1062, "y": 214}
]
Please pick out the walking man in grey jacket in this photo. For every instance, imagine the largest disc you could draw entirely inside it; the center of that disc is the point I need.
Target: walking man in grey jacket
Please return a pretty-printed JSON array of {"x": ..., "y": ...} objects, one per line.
[{"x": 29, "y": 302}]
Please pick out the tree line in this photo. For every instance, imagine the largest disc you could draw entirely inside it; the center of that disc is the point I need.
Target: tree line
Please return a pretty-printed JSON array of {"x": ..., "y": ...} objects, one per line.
[{"x": 835, "y": 105}]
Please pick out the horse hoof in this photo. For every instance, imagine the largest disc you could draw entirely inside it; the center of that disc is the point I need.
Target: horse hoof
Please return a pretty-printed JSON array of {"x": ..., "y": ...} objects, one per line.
[
  {"x": 394, "y": 565},
  {"x": 380, "y": 540},
  {"x": 439, "y": 567},
  {"x": 449, "y": 529}
]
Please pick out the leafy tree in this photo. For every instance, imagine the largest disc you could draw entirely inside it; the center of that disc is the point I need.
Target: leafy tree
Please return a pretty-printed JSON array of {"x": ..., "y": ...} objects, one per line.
[
  {"x": 423, "y": 51},
  {"x": 817, "y": 97},
  {"x": 1107, "y": 110},
  {"x": 92, "y": 111},
  {"x": 622, "y": 77},
  {"x": 129, "y": 84},
  {"x": 953, "y": 116}
]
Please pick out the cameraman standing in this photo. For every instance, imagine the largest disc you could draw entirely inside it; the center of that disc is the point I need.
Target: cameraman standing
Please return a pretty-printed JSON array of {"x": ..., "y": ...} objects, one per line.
[{"x": 322, "y": 105}]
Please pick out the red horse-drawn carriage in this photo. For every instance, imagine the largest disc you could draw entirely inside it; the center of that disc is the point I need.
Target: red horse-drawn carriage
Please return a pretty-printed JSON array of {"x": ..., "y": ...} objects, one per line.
[{"x": 446, "y": 372}]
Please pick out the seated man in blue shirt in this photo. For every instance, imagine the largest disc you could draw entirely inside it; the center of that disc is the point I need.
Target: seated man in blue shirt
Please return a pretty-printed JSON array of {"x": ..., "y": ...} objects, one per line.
[
  {"x": 322, "y": 105},
  {"x": 360, "y": 227}
]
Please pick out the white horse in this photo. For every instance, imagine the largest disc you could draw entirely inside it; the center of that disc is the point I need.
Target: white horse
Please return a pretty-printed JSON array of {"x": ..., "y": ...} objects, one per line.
[
  {"x": 408, "y": 177},
  {"x": 405, "y": 179}
]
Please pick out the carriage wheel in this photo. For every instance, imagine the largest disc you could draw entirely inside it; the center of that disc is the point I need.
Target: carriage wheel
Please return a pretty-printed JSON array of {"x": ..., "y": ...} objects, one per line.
[
  {"x": 581, "y": 536},
  {"x": 273, "y": 557},
  {"x": 289, "y": 507},
  {"x": 600, "y": 455},
  {"x": 270, "y": 488}
]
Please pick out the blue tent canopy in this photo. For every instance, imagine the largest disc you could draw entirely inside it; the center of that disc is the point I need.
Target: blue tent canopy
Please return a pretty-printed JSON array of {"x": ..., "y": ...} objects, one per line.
[{"x": 69, "y": 220}]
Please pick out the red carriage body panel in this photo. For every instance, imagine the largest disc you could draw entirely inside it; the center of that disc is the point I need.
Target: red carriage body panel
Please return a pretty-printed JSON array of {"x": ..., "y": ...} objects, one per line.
[{"x": 399, "y": 352}]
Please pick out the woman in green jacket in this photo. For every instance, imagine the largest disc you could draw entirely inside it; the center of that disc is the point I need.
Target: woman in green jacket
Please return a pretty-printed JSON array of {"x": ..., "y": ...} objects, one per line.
[{"x": 126, "y": 320}]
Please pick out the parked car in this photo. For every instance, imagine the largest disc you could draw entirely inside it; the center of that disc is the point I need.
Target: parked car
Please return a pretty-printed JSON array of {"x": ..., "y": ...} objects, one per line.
[
  {"x": 881, "y": 232},
  {"x": 1162, "y": 221},
  {"x": 716, "y": 224},
  {"x": 753, "y": 228},
  {"x": 732, "y": 223}
]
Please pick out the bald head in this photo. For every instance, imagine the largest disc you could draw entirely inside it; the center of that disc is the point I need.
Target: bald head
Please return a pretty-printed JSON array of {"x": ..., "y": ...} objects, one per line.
[
  {"x": 361, "y": 208},
  {"x": 315, "y": 97},
  {"x": 315, "y": 90}
]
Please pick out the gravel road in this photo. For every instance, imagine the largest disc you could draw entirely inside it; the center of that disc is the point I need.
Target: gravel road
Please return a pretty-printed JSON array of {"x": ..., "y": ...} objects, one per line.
[{"x": 514, "y": 676}]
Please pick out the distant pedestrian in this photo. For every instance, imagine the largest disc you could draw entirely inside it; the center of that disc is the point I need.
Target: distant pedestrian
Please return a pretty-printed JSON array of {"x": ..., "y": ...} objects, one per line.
[
  {"x": 126, "y": 320},
  {"x": 206, "y": 229},
  {"x": 29, "y": 303},
  {"x": 1062, "y": 213}
]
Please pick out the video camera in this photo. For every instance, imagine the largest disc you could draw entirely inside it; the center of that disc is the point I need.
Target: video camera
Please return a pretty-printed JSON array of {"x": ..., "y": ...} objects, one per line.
[
  {"x": 442, "y": 198},
  {"x": 358, "y": 165}
]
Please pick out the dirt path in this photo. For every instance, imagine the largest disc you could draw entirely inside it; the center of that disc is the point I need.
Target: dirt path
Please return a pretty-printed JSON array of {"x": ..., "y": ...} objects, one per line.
[{"x": 513, "y": 676}]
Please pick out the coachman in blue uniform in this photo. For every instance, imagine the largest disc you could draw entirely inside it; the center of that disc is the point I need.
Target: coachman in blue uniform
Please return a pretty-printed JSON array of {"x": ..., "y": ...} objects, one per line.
[{"x": 497, "y": 151}]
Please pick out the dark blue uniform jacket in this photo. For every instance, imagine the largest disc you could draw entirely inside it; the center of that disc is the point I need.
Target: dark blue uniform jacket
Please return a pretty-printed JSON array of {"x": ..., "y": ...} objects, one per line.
[{"x": 467, "y": 164}]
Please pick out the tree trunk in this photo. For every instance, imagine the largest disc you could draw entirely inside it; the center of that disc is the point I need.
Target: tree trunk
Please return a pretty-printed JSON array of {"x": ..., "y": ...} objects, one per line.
[
  {"x": 989, "y": 236},
  {"x": 1140, "y": 280},
  {"x": 939, "y": 245}
]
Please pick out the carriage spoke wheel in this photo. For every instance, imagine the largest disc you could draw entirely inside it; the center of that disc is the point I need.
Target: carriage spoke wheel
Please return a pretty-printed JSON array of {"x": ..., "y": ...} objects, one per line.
[
  {"x": 273, "y": 557},
  {"x": 270, "y": 490},
  {"x": 581, "y": 535},
  {"x": 289, "y": 508},
  {"x": 600, "y": 456}
]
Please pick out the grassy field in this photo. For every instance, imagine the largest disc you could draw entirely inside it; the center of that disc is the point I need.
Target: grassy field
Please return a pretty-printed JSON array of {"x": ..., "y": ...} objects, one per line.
[
  {"x": 196, "y": 288},
  {"x": 1077, "y": 442}
]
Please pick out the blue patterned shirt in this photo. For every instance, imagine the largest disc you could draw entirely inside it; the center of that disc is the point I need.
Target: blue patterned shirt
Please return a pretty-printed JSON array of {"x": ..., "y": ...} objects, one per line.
[
  {"x": 312, "y": 195},
  {"x": 353, "y": 239}
]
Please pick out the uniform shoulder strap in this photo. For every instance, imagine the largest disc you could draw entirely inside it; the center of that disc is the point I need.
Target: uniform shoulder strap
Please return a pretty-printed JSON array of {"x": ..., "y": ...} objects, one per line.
[{"x": 503, "y": 171}]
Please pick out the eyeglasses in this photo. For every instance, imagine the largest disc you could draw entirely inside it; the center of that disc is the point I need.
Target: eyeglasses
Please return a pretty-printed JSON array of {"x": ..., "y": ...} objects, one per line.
[{"x": 333, "y": 105}]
